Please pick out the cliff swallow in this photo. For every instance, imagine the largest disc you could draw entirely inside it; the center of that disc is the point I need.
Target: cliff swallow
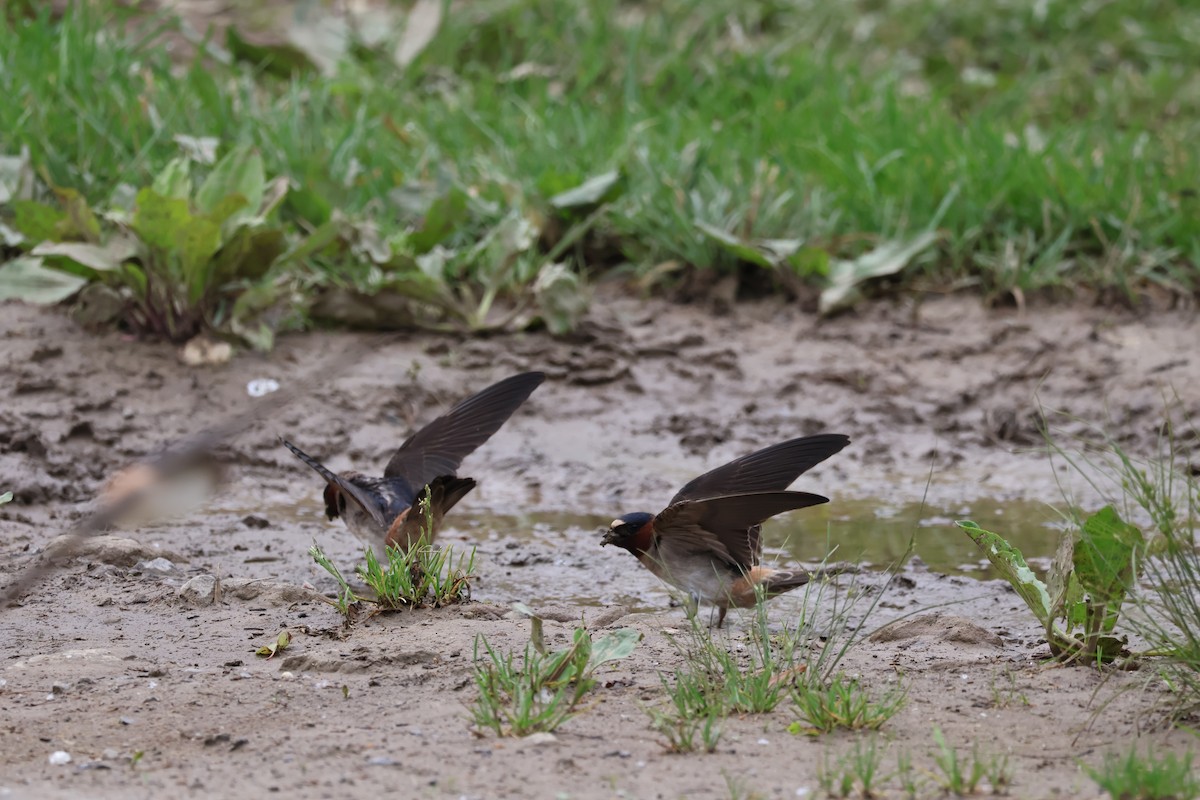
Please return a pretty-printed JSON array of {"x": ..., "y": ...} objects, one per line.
[
  {"x": 707, "y": 542},
  {"x": 377, "y": 510}
]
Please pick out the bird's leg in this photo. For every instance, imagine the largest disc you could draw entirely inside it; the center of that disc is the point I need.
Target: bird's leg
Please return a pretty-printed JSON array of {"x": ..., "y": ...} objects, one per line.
[{"x": 721, "y": 611}]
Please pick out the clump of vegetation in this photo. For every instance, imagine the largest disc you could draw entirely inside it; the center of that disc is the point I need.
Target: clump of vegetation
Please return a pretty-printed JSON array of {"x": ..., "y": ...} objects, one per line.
[
  {"x": 421, "y": 576},
  {"x": 843, "y": 703},
  {"x": 798, "y": 661},
  {"x": 171, "y": 259},
  {"x": 1137, "y": 777},
  {"x": 544, "y": 690},
  {"x": 1163, "y": 491},
  {"x": 961, "y": 776},
  {"x": 1094, "y": 570}
]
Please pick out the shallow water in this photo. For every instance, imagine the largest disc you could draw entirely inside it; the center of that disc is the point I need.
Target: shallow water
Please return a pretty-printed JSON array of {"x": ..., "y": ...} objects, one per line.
[{"x": 869, "y": 531}]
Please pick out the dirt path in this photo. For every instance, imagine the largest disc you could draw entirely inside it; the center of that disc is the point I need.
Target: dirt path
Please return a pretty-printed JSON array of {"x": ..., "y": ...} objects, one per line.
[{"x": 106, "y": 661}]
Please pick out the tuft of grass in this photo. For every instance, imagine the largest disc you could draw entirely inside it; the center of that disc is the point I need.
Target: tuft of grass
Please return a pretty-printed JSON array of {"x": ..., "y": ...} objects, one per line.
[
  {"x": 346, "y": 600},
  {"x": 843, "y": 703},
  {"x": 961, "y": 776},
  {"x": 423, "y": 575},
  {"x": 1148, "y": 777},
  {"x": 689, "y": 723},
  {"x": 1005, "y": 696},
  {"x": 858, "y": 768},
  {"x": 543, "y": 691}
]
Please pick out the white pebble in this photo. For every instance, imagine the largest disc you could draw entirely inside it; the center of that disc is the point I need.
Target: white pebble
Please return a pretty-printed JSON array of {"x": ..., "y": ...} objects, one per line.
[{"x": 60, "y": 757}]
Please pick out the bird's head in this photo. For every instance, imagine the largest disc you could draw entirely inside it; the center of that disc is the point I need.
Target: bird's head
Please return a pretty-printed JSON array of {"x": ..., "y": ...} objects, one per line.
[{"x": 625, "y": 531}]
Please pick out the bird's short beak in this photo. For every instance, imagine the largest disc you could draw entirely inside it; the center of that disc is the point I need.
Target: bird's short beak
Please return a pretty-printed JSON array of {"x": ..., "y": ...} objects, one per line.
[{"x": 610, "y": 536}]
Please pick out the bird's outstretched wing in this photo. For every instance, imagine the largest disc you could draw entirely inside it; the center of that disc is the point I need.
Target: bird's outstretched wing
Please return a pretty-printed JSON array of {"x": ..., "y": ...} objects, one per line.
[
  {"x": 440, "y": 447},
  {"x": 771, "y": 469}
]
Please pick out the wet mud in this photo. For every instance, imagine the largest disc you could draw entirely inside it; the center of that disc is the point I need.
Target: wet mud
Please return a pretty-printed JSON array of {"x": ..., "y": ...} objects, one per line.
[{"x": 129, "y": 661}]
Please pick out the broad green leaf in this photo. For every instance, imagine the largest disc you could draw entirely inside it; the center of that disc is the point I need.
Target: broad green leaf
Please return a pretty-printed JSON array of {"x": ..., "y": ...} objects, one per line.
[
  {"x": 1011, "y": 564},
  {"x": 198, "y": 243},
  {"x": 160, "y": 221},
  {"x": 79, "y": 221},
  {"x": 736, "y": 247},
  {"x": 323, "y": 237},
  {"x": 445, "y": 214},
  {"x": 134, "y": 277},
  {"x": 6, "y": 498},
  {"x": 615, "y": 646},
  {"x": 561, "y": 297},
  {"x": 809, "y": 261},
  {"x": 1104, "y": 555},
  {"x": 846, "y": 277},
  {"x": 239, "y": 172},
  {"x": 1105, "y": 559},
  {"x": 175, "y": 180},
  {"x": 314, "y": 208},
  {"x": 248, "y": 255},
  {"x": 38, "y": 222},
  {"x": 102, "y": 258},
  {"x": 28, "y": 280},
  {"x": 602, "y": 188},
  {"x": 224, "y": 210}
]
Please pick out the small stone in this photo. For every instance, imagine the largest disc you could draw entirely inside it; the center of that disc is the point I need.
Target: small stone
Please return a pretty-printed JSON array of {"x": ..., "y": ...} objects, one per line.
[
  {"x": 60, "y": 757},
  {"x": 539, "y": 739},
  {"x": 161, "y": 565},
  {"x": 200, "y": 590}
]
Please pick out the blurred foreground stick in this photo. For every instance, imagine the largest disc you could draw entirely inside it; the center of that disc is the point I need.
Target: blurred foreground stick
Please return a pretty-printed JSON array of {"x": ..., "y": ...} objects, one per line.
[{"x": 178, "y": 477}]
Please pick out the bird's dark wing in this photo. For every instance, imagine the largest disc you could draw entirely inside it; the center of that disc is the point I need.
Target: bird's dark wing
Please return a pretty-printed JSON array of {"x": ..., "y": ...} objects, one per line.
[
  {"x": 354, "y": 494},
  {"x": 439, "y": 448},
  {"x": 726, "y": 527},
  {"x": 771, "y": 469}
]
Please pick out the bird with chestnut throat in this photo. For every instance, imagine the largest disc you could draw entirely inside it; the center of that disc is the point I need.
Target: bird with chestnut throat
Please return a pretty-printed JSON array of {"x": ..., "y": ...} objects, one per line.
[
  {"x": 707, "y": 541},
  {"x": 387, "y": 511}
]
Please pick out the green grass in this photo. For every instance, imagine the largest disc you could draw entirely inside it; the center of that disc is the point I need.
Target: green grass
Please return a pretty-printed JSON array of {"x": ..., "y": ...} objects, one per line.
[
  {"x": 962, "y": 775},
  {"x": 1149, "y": 777},
  {"x": 1049, "y": 144},
  {"x": 843, "y": 703},
  {"x": 859, "y": 768},
  {"x": 544, "y": 690},
  {"x": 421, "y": 576}
]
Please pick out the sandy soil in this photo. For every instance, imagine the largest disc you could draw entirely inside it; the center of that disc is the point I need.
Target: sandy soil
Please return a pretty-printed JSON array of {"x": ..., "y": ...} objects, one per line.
[{"x": 107, "y": 660}]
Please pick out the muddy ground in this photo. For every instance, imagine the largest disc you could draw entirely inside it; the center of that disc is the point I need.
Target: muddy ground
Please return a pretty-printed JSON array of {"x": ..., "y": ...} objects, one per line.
[{"x": 152, "y": 692}]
